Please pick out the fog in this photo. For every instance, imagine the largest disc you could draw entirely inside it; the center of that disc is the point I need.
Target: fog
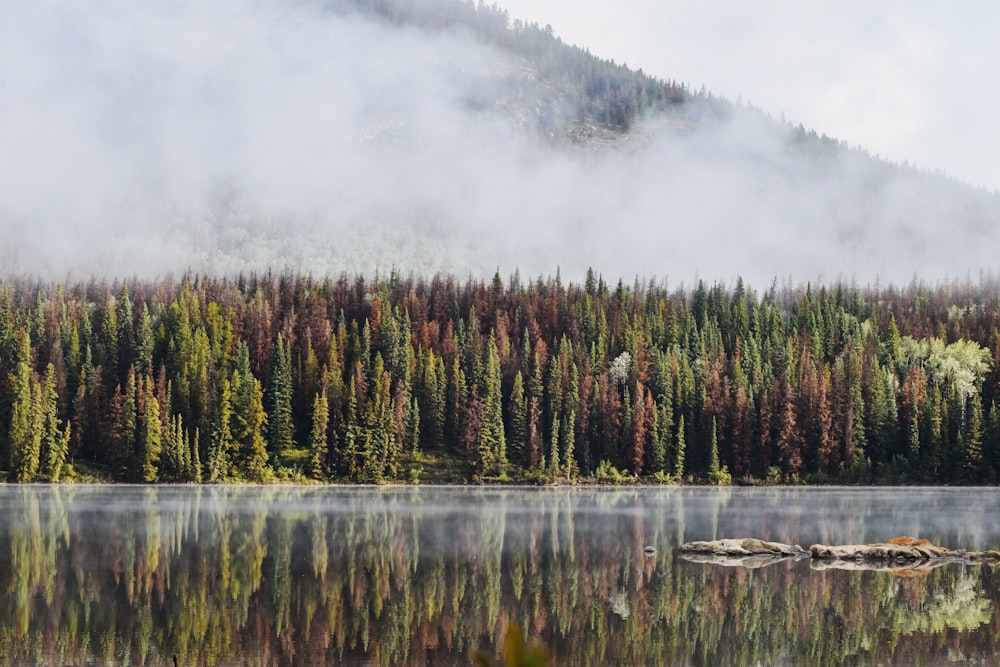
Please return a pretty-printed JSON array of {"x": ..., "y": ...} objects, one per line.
[
  {"x": 950, "y": 517},
  {"x": 160, "y": 137},
  {"x": 903, "y": 78}
]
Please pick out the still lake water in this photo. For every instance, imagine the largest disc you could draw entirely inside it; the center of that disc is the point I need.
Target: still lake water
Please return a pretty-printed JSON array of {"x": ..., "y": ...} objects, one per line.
[{"x": 132, "y": 575}]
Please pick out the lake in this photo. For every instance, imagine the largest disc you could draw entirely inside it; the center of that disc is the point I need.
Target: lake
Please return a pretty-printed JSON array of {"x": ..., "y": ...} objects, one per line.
[{"x": 214, "y": 575}]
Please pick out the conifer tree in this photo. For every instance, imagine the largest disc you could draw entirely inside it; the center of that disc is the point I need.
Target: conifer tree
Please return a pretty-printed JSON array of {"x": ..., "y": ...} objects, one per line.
[
  {"x": 491, "y": 443},
  {"x": 789, "y": 439},
  {"x": 973, "y": 438},
  {"x": 377, "y": 434},
  {"x": 175, "y": 461},
  {"x": 126, "y": 415},
  {"x": 125, "y": 339},
  {"x": 640, "y": 433},
  {"x": 456, "y": 405},
  {"x": 150, "y": 440},
  {"x": 533, "y": 442},
  {"x": 318, "y": 441},
  {"x": 223, "y": 448},
  {"x": 438, "y": 403},
  {"x": 348, "y": 459},
  {"x": 249, "y": 420},
  {"x": 714, "y": 469},
  {"x": 658, "y": 440},
  {"x": 518, "y": 411},
  {"x": 55, "y": 438},
  {"x": 106, "y": 350},
  {"x": 680, "y": 453},
  {"x": 280, "y": 429},
  {"x": 144, "y": 342},
  {"x": 552, "y": 463},
  {"x": 569, "y": 443},
  {"x": 23, "y": 433},
  {"x": 195, "y": 446},
  {"x": 413, "y": 426}
]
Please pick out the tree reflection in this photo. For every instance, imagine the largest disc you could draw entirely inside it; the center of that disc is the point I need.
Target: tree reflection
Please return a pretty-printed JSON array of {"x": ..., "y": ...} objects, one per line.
[{"x": 292, "y": 576}]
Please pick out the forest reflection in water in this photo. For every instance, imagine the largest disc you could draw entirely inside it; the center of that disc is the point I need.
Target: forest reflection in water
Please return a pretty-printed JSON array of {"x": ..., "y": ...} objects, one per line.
[{"x": 423, "y": 575}]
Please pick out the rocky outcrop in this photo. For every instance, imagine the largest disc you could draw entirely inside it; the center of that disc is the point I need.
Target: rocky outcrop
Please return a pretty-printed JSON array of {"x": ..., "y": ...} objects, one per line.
[{"x": 900, "y": 553}]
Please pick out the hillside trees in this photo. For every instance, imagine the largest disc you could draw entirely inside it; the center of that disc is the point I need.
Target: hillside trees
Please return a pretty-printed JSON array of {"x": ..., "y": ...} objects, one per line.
[{"x": 208, "y": 379}]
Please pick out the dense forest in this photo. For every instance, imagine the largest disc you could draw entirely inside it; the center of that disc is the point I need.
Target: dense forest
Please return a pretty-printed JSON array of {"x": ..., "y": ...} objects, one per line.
[{"x": 284, "y": 376}]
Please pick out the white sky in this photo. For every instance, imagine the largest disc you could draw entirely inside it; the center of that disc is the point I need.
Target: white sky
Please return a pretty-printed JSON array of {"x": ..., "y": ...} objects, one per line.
[{"x": 906, "y": 79}]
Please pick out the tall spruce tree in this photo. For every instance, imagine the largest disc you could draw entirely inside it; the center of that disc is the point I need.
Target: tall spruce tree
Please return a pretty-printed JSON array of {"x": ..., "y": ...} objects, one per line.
[
  {"x": 318, "y": 439},
  {"x": 23, "y": 433},
  {"x": 55, "y": 437},
  {"x": 491, "y": 444},
  {"x": 518, "y": 411},
  {"x": 249, "y": 420},
  {"x": 280, "y": 428}
]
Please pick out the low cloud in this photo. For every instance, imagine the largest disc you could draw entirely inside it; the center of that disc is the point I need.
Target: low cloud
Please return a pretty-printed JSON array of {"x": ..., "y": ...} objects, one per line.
[{"x": 152, "y": 138}]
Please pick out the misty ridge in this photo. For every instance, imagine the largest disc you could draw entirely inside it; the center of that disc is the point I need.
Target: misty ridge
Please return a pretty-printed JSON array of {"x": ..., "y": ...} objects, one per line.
[{"x": 153, "y": 138}]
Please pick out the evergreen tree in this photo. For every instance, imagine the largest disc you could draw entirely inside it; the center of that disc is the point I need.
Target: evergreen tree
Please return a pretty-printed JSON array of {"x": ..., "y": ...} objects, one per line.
[
  {"x": 55, "y": 438},
  {"x": 223, "y": 448},
  {"x": 126, "y": 414},
  {"x": 717, "y": 474},
  {"x": 456, "y": 404},
  {"x": 150, "y": 441},
  {"x": 249, "y": 420},
  {"x": 552, "y": 464},
  {"x": 639, "y": 432},
  {"x": 973, "y": 438},
  {"x": 413, "y": 426},
  {"x": 23, "y": 433},
  {"x": 318, "y": 442},
  {"x": 518, "y": 411},
  {"x": 533, "y": 443},
  {"x": 569, "y": 442},
  {"x": 378, "y": 427},
  {"x": 280, "y": 429},
  {"x": 491, "y": 446},
  {"x": 680, "y": 453}
]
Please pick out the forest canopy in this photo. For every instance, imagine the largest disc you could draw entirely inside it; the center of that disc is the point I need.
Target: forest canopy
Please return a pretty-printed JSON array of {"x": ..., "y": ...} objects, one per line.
[{"x": 285, "y": 376}]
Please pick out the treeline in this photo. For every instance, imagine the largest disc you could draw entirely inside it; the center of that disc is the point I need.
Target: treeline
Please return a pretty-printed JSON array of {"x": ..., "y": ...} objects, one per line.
[
  {"x": 598, "y": 90},
  {"x": 286, "y": 376}
]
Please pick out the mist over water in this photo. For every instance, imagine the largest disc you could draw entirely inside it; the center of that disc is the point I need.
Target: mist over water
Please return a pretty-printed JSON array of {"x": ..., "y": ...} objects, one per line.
[
  {"x": 152, "y": 138},
  {"x": 308, "y": 575}
]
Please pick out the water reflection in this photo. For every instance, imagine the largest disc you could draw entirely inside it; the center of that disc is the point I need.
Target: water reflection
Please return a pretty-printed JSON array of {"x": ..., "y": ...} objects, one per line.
[{"x": 388, "y": 576}]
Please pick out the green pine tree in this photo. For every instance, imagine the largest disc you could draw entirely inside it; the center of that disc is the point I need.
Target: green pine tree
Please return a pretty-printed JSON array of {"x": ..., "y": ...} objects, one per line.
[
  {"x": 318, "y": 441},
  {"x": 679, "y": 452},
  {"x": 518, "y": 410},
  {"x": 55, "y": 437},
  {"x": 491, "y": 445},
  {"x": 280, "y": 428},
  {"x": 150, "y": 441},
  {"x": 23, "y": 433}
]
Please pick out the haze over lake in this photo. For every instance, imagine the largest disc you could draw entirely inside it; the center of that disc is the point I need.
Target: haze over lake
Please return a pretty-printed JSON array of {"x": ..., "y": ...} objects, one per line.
[{"x": 358, "y": 576}]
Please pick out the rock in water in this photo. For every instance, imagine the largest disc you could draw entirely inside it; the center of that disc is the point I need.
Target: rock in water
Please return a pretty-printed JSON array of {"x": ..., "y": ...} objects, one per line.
[
  {"x": 746, "y": 546},
  {"x": 899, "y": 552}
]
